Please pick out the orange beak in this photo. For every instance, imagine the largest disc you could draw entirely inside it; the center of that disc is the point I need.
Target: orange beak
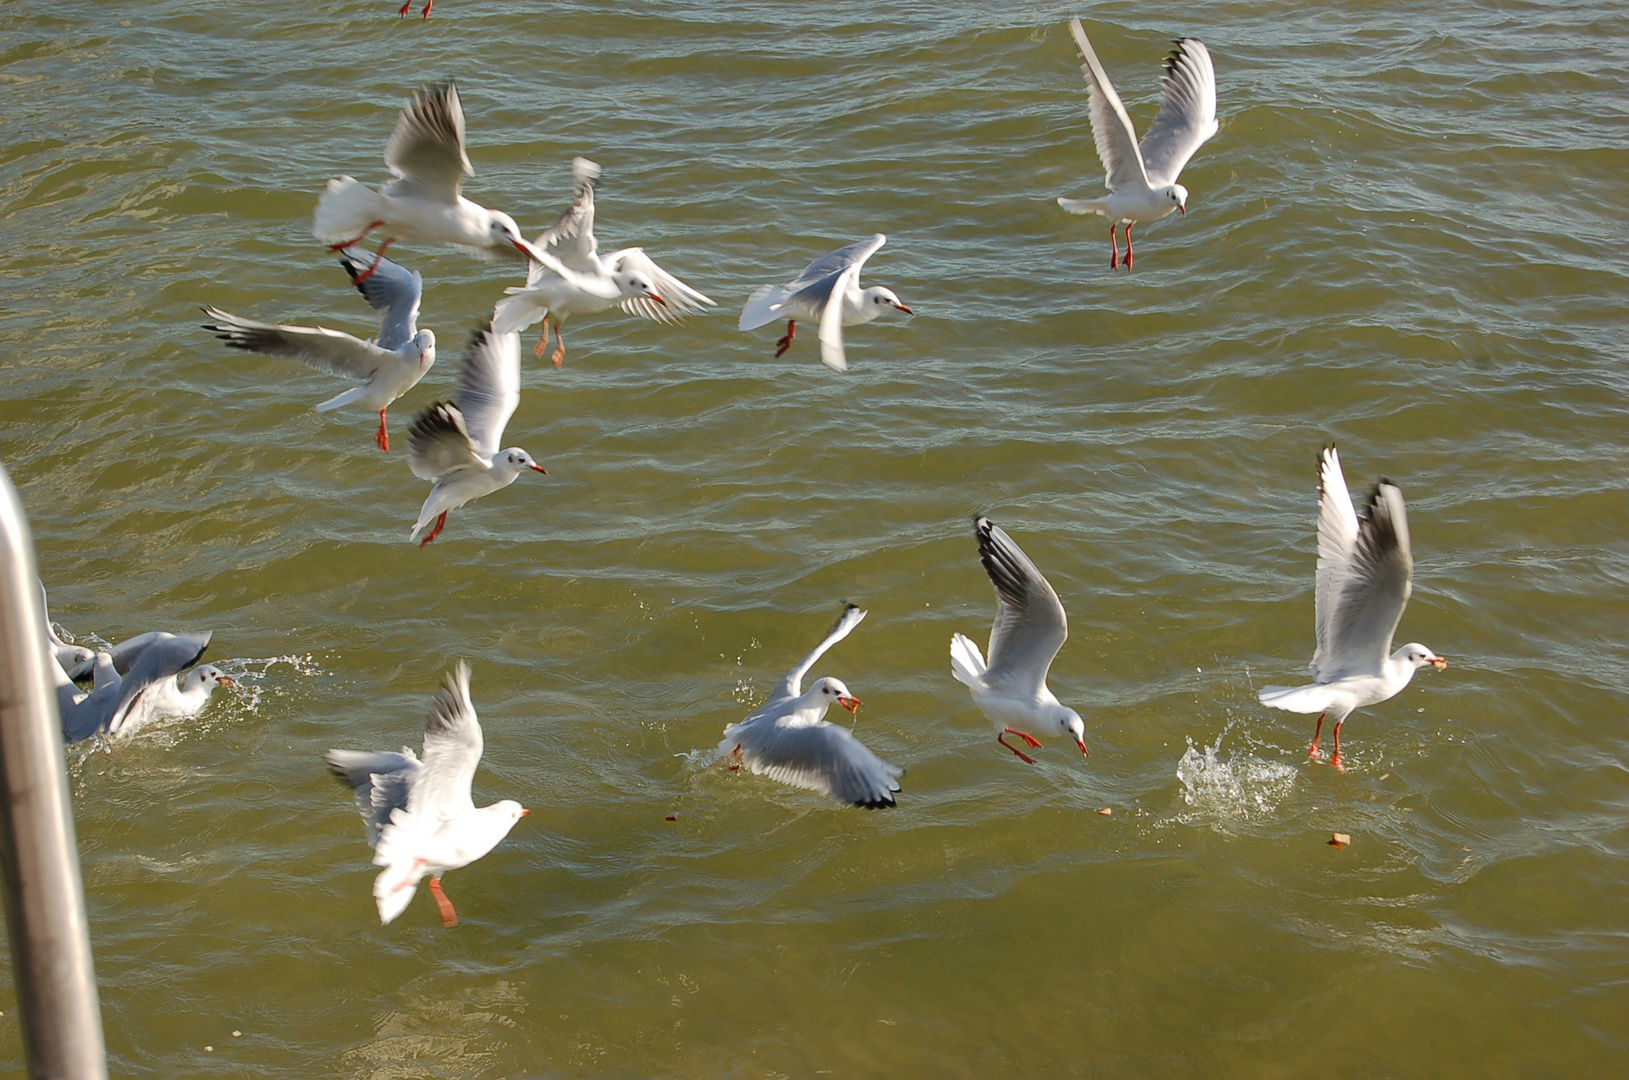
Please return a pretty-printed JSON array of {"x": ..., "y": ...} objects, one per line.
[
  {"x": 541, "y": 469},
  {"x": 905, "y": 309},
  {"x": 1183, "y": 207},
  {"x": 524, "y": 811},
  {"x": 852, "y": 704},
  {"x": 658, "y": 299},
  {"x": 528, "y": 250},
  {"x": 1440, "y": 663},
  {"x": 1083, "y": 751}
]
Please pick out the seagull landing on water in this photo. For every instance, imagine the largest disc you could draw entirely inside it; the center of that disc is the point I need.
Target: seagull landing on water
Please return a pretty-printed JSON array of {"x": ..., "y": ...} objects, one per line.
[
  {"x": 419, "y": 815},
  {"x": 387, "y": 367},
  {"x": 1030, "y": 628},
  {"x": 426, "y": 152},
  {"x": 789, "y": 738},
  {"x": 573, "y": 278},
  {"x": 454, "y": 444},
  {"x": 809, "y": 296},
  {"x": 1365, "y": 576},
  {"x": 1142, "y": 179},
  {"x": 121, "y": 703}
]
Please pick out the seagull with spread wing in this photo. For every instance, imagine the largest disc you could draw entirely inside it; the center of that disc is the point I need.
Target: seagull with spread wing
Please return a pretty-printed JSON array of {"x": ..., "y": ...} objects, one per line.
[
  {"x": 1030, "y": 627},
  {"x": 789, "y": 739},
  {"x": 1365, "y": 576},
  {"x": 454, "y": 444},
  {"x": 1142, "y": 179},
  {"x": 386, "y": 367},
  {"x": 419, "y": 815},
  {"x": 573, "y": 278},
  {"x": 809, "y": 297},
  {"x": 426, "y": 153}
]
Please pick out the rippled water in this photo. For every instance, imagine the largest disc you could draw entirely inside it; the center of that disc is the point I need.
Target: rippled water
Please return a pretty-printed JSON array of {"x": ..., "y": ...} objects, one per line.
[{"x": 1409, "y": 236}]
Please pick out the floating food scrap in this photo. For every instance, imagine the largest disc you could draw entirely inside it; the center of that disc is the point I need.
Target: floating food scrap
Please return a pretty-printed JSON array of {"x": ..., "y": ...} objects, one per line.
[{"x": 1339, "y": 840}]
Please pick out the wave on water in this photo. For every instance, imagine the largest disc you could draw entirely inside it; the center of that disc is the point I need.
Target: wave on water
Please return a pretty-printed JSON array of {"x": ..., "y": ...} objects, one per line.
[{"x": 1244, "y": 787}]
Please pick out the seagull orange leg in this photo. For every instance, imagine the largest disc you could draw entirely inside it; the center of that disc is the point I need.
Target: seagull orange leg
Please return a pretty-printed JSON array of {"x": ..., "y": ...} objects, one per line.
[
  {"x": 1335, "y": 758},
  {"x": 1027, "y": 738},
  {"x": 403, "y": 11},
  {"x": 428, "y": 4},
  {"x": 449, "y": 917},
  {"x": 359, "y": 239},
  {"x": 1129, "y": 224},
  {"x": 735, "y": 758},
  {"x": 1114, "y": 247},
  {"x": 378, "y": 256},
  {"x": 542, "y": 342},
  {"x": 786, "y": 342},
  {"x": 1312, "y": 751},
  {"x": 382, "y": 437},
  {"x": 435, "y": 532},
  {"x": 559, "y": 345}
]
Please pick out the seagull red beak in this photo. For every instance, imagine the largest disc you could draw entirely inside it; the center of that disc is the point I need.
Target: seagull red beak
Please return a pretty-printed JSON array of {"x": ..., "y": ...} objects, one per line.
[
  {"x": 852, "y": 704},
  {"x": 541, "y": 469},
  {"x": 658, "y": 299},
  {"x": 905, "y": 309},
  {"x": 524, "y": 811},
  {"x": 1183, "y": 207},
  {"x": 528, "y": 250},
  {"x": 1440, "y": 663},
  {"x": 1083, "y": 751}
]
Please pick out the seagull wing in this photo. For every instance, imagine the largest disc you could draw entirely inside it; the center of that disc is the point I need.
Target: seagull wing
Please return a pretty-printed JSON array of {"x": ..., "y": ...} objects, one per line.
[
  {"x": 1337, "y": 535},
  {"x": 328, "y": 351},
  {"x": 1111, "y": 127},
  {"x": 824, "y": 271},
  {"x": 831, "y": 320},
  {"x": 792, "y": 685},
  {"x": 452, "y": 750},
  {"x": 164, "y": 659},
  {"x": 427, "y": 147},
  {"x": 1374, "y": 589},
  {"x": 1030, "y": 625},
  {"x": 489, "y": 389},
  {"x": 438, "y": 444},
  {"x": 1187, "y": 116},
  {"x": 380, "y": 780},
  {"x": 822, "y": 757},
  {"x": 571, "y": 238},
  {"x": 681, "y": 299},
  {"x": 391, "y": 290}
]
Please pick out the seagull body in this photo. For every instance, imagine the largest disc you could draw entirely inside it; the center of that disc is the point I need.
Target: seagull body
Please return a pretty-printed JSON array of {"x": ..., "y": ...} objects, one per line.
[
  {"x": 789, "y": 738},
  {"x": 454, "y": 444},
  {"x": 1142, "y": 179},
  {"x": 1030, "y": 627},
  {"x": 387, "y": 367},
  {"x": 575, "y": 279},
  {"x": 419, "y": 815},
  {"x": 426, "y": 153},
  {"x": 119, "y": 705},
  {"x": 1365, "y": 576},
  {"x": 809, "y": 297}
]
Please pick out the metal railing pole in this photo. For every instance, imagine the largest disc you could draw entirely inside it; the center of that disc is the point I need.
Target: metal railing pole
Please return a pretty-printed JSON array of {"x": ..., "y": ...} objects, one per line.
[{"x": 39, "y": 857}]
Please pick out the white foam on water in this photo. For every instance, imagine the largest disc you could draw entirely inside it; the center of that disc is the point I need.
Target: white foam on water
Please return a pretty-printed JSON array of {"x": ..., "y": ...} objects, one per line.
[{"x": 1242, "y": 787}]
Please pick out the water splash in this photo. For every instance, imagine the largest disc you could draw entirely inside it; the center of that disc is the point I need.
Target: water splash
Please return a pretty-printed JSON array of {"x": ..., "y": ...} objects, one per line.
[{"x": 1242, "y": 787}]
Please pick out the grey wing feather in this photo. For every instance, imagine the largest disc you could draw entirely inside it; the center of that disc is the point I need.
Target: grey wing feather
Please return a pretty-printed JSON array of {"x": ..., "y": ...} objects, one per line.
[
  {"x": 427, "y": 148},
  {"x": 818, "y": 277},
  {"x": 1337, "y": 535},
  {"x": 792, "y": 685},
  {"x": 380, "y": 781},
  {"x": 391, "y": 290},
  {"x": 1030, "y": 624},
  {"x": 489, "y": 388},
  {"x": 1187, "y": 116},
  {"x": 821, "y": 757},
  {"x": 438, "y": 443},
  {"x": 1116, "y": 139},
  {"x": 328, "y": 351},
  {"x": 452, "y": 750},
  {"x": 1375, "y": 590},
  {"x": 164, "y": 659},
  {"x": 571, "y": 238}
]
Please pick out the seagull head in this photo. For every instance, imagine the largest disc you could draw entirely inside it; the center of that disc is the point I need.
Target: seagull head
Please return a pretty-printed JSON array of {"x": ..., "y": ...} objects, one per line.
[
  {"x": 829, "y": 690},
  {"x": 635, "y": 284},
  {"x": 1070, "y": 724},
  {"x": 879, "y": 297},
  {"x": 208, "y": 677},
  {"x": 425, "y": 342},
  {"x": 1420, "y": 656},
  {"x": 518, "y": 459},
  {"x": 1179, "y": 197},
  {"x": 502, "y": 230}
]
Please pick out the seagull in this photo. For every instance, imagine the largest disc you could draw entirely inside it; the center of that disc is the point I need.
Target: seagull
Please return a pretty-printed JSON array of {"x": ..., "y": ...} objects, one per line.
[
  {"x": 454, "y": 444},
  {"x": 118, "y": 705},
  {"x": 1365, "y": 575},
  {"x": 426, "y": 152},
  {"x": 1030, "y": 627},
  {"x": 578, "y": 280},
  {"x": 419, "y": 814},
  {"x": 1142, "y": 179},
  {"x": 789, "y": 739},
  {"x": 806, "y": 298},
  {"x": 387, "y": 368}
]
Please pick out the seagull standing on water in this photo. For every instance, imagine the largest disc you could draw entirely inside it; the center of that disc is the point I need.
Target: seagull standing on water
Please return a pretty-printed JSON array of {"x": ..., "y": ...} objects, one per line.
[
  {"x": 789, "y": 738},
  {"x": 1030, "y": 627},
  {"x": 809, "y": 296},
  {"x": 1142, "y": 179},
  {"x": 387, "y": 368},
  {"x": 426, "y": 152},
  {"x": 1365, "y": 576},
  {"x": 574, "y": 279},
  {"x": 419, "y": 815},
  {"x": 454, "y": 444}
]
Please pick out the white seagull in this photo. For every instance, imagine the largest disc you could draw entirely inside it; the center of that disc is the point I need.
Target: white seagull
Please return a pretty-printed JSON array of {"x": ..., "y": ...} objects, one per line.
[
  {"x": 1030, "y": 627},
  {"x": 426, "y": 152},
  {"x": 1365, "y": 575},
  {"x": 387, "y": 367},
  {"x": 1142, "y": 179},
  {"x": 419, "y": 814},
  {"x": 119, "y": 705},
  {"x": 789, "y": 738},
  {"x": 577, "y": 280},
  {"x": 454, "y": 444},
  {"x": 808, "y": 298}
]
